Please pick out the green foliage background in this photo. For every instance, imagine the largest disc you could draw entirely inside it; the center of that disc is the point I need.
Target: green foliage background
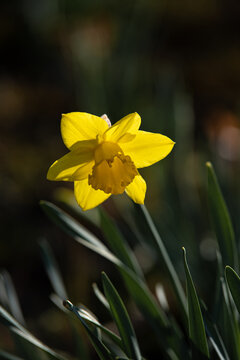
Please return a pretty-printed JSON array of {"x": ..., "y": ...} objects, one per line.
[{"x": 177, "y": 65}]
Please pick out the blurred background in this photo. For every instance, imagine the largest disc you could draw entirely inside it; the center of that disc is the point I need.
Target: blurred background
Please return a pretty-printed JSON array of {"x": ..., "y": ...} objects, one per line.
[{"x": 178, "y": 65}]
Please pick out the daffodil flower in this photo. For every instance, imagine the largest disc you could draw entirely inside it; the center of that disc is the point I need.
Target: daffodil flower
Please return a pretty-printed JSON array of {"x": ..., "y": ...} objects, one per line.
[{"x": 103, "y": 159}]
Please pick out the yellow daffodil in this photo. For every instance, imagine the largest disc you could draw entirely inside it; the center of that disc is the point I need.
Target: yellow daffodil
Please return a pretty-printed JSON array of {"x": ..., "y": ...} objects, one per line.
[{"x": 103, "y": 159}]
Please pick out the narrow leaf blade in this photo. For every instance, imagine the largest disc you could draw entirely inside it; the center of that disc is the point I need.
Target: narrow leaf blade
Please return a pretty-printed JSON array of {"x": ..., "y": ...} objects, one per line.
[
  {"x": 196, "y": 326},
  {"x": 233, "y": 281},
  {"x": 135, "y": 285},
  {"x": 52, "y": 270},
  {"x": 221, "y": 220},
  {"x": 117, "y": 243},
  {"x": 8, "y": 356},
  {"x": 122, "y": 319},
  {"x": 11, "y": 297},
  {"x": 228, "y": 324},
  {"x": 21, "y": 332},
  {"x": 90, "y": 318},
  {"x": 31, "y": 345},
  {"x": 69, "y": 224},
  {"x": 8, "y": 320},
  {"x": 100, "y": 348},
  {"x": 162, "y": 252},
  {"x": 100, "y": 296}
]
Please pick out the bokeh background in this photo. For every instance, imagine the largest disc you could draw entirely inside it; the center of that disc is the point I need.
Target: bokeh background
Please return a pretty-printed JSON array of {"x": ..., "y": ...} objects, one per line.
[{"x": 178, "y": 65}]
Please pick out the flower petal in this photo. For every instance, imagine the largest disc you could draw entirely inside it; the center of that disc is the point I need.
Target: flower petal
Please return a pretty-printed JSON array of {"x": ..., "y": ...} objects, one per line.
[
  {"x": 73, "y": 166},
  {"x": 86, "y": 196},
  {"x": 125, "y": 129},
  {"x": 147, "y": 148},
  {"x": 137, "y": 189},
  {"x": 78, "y": 126}
]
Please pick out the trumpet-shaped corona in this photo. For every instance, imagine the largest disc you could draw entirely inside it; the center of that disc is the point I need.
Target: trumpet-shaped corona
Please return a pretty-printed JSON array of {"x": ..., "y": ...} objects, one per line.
[
  {"x": 113, "y": 171},
  {"x": 103, "y": 159}
]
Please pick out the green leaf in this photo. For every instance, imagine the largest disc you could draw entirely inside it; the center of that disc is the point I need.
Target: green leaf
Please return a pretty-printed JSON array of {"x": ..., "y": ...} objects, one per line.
[
  {"x": 90, "y": 318},
  {"x": 221, "y": 220},
  {"x": 77, "y": 231},
  {"x": 228, "y": 323},
  {"x": 55, "y": 278},
  {"x": 100, "y": 296},
  {"x": 122, "y": 320},
  {"x": 216, "y": 348},
  {"x": 32, "y": 347},
  {"x": 162, "y": 252},
  {"x": 8, "y": 356},
  {"x": 25, "y": 336},
  {"x": 146, "y": 302},
  {"x": 69, "y": 224},
  {"x": 8, "y": 320},
  {"x": 100, "y": 348},
  {"x": 195, "y": 321},
  {"x": 53, "y": 270},
  {"x": 213, "y": 334},
  {"x": 117, "y": 243},
  {"x": 172, "y": 355},
  {"x": 225, "y": 317},
  {"x": 136, "y": 287},
  {"x": 85, "y": 314},
  {"x": 11, "y": 301},
  {"x": 233, "y": 281}
]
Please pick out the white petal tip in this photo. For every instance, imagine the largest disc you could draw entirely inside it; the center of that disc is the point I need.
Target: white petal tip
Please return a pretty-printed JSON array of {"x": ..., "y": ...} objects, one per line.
[{"x": 106, "y": 118}]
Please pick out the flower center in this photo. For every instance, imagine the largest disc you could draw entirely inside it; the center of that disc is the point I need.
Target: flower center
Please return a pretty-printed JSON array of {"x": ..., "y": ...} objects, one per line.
[{"x": 113, "y": 170}]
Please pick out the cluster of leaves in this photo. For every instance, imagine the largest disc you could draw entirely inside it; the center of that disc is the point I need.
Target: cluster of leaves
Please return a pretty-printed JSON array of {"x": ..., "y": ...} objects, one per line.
[{"x": 198, "y": 334}]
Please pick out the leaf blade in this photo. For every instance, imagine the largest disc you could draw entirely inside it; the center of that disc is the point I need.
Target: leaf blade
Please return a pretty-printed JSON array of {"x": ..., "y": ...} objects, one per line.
[
  {"x": 100, "y": 348},
  {"x": 117, "y": 243},
  {"x": 146, "y": 301},
  {"x": 23, "y": 333},
  {"x": 8, "y": 356},
  {"x": 233, "y": 281},
  {"x": 196, "y": 326},
  {"x": 11, "y": 302},
  {"x": 52, "y": 270},
  {"x": 229, "y": 326},
  {"x": 221, "y": 220},
  {"x": 175, "y": 282},
  {"x": 121, "y": 319},
  {"x": 69, "y": 224}
]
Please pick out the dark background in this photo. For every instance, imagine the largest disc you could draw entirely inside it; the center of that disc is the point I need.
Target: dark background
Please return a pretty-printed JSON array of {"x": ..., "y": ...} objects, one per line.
[{"x": 178, "y": 65}]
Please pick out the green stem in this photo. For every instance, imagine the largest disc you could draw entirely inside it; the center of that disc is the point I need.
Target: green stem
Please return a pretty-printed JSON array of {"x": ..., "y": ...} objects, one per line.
[{"x": 177, "y": 287}]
